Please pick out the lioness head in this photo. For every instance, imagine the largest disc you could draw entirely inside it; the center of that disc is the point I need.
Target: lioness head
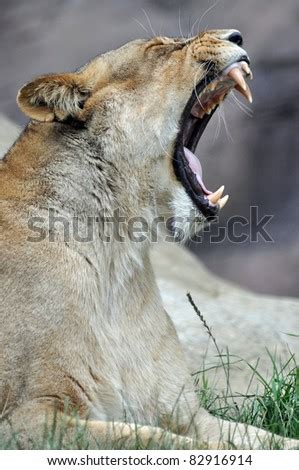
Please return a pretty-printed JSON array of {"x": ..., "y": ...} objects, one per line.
[{"x": 145, "y": 107}]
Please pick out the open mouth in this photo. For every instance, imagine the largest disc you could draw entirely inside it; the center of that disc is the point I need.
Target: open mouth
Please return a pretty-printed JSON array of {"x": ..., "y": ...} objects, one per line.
[{"x": 204, "y": 101}]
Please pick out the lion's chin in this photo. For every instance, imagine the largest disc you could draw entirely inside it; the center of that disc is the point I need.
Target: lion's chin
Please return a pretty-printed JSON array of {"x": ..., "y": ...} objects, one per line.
[{"x": 187, "y": 220}]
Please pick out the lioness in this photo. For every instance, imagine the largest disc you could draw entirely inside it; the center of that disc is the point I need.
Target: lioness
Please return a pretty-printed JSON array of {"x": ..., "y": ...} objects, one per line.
[{"x": 83, "y": 328}]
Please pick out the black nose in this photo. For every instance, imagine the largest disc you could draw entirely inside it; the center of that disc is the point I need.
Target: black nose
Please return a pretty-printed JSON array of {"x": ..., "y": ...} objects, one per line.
[{"x": 236, "y": 38}]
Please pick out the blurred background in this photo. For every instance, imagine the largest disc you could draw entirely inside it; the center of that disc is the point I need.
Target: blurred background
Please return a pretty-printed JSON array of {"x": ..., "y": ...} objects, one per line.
[{"x": 254, "y": 152}]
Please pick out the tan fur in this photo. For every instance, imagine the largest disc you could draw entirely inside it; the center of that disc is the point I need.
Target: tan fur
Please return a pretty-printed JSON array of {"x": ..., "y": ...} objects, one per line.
[{"x": 83, "y": 323}]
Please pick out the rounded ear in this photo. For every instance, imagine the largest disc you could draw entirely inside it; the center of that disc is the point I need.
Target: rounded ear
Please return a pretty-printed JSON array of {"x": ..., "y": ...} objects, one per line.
[{"x": 54, "y": 97}]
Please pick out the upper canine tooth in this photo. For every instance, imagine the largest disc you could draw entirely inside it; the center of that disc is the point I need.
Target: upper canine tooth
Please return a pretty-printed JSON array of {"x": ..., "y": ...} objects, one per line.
[
  {"x": 214, "y": 197},
  {"x": 236, "y": 75},
  {"x": 223, "y": 201},
  {"x": 246, "y": 93}
]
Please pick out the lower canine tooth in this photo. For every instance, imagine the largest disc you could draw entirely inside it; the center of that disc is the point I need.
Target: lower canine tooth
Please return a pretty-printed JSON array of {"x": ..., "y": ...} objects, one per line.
[
  {"x": 223, "y": 201},
  {"x": 214, "y": 197}
]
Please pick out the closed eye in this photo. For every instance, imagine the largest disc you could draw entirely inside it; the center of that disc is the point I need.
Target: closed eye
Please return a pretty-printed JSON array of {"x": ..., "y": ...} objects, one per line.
[{"x": 166, "y": 45}]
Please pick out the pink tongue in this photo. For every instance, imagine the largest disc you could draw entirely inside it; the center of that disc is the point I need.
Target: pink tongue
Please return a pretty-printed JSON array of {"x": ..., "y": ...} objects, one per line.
[{"x": 195, "y": 166}]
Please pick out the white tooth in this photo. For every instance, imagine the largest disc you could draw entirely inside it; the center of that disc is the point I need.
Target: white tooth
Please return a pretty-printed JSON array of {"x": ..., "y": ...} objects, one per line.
[
  {"x": 213, "y": 106},
  {"x": 214, "y": 197},
  {"x": 223, "y": 201},
  {"x": 236, "y": 75},
  {"x": 247, "y": 70},
  {"x": 246, "y": 93}
]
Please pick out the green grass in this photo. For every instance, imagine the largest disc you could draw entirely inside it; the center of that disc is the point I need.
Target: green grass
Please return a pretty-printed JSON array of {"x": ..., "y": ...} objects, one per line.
[{"x": 275, "y": 406}]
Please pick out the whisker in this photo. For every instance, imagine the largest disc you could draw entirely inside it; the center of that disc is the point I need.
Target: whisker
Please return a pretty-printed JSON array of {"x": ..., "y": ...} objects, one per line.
[
  {"x": 149, "y": 21},
  {"x": 242, "y": 109},
  {"x": 193, "y": 26},
  {"x": 180, "y": 26},
  {"x": 142, "y": 26},
  {"x": 190, "y": 29},
  {"x": 165, "y": 151},
  {"x": 195, "y": 91},
  {"x": 218, "y": 128},
  {"x": 246, "y": 109},
  {"x": 233, "y": 101},
  {"x": 222, "y": 116},
  {"x": 206, "y": 13}
]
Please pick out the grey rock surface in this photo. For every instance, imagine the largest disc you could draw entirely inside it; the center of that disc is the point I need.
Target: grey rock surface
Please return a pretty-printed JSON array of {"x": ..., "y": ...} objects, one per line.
[
  {"x": 9, "y": 132},
  {"x": 245, "y": 323}
]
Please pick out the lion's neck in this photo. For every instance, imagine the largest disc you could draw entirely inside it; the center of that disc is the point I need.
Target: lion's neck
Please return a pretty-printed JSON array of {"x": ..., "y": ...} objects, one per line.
[
  {"x": 115, "y": 262},
  {"x": 115, "y": 280}
]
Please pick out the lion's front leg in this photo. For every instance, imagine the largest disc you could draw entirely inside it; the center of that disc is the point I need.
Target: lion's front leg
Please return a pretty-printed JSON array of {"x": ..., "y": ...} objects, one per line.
[
  {"x": 36, "y": 425},
  {"x": 230, "y": 434}
]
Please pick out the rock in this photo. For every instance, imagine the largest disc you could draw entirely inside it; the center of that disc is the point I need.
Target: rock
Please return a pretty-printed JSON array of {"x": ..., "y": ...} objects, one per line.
[
  {"x": 246, "y": 323},
  {"x": 8, "y": 134}
]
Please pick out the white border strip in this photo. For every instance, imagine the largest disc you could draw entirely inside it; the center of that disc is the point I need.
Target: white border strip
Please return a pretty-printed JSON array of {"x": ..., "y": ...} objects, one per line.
[{"x": 146, "y": 459}]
